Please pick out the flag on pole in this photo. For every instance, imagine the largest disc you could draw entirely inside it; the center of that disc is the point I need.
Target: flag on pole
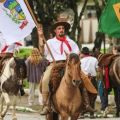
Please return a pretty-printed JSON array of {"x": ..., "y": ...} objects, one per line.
[
  {"x": 15, "y": 20},
  {"x": 110, "y": 19},
  {"x": 11, "y": 48}
]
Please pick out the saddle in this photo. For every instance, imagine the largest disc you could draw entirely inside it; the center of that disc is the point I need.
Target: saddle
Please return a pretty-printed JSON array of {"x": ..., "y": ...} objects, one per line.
[
  {"x": 57, "y": 73},
  {"x": 106, "y": 59}
]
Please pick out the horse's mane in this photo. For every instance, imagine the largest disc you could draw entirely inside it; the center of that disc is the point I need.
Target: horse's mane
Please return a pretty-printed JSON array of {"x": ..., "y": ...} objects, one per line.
[
  {"x": 20, "y": 63},
  {"x": 56, "y": 76}
]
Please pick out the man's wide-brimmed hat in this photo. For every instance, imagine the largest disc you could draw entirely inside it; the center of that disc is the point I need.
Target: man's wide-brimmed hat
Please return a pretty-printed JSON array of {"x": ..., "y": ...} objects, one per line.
[{"x": 61, "y": 23}]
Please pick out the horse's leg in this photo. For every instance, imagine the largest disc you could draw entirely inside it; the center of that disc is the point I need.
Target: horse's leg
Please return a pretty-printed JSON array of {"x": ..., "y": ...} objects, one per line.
[
  {"x": 64, "y": 116},
  {"x": 7, "y": 101},
  {"x": 49, "y": 116},
  {"x": 75, "y": 117},
  {"x": 52, "y": 116},
  {"x": 117, "y": 100},
  {"x": 14, "y": 108},
  {"x": 1, "y": 106}
]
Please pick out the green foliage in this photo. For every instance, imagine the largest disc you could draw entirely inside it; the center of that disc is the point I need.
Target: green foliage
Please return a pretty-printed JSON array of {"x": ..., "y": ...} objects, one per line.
[
  {"x": 23, "y": 53},
  {"x": 25, "y": 83}
]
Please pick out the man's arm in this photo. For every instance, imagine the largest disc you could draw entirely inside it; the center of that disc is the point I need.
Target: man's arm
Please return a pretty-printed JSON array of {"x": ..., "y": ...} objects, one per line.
[{"x": 41, "y": 39}]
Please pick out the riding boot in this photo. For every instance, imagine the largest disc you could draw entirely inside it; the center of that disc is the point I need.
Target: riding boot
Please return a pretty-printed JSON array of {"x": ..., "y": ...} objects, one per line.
[
  {"x": 46, "y": 104},
  {"x": 22, "y": 92},
  {"x": 86, "y": 101}
]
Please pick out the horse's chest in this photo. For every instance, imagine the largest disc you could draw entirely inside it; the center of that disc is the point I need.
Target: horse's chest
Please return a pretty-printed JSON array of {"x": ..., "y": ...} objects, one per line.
[{"x": 70, "y": 103}]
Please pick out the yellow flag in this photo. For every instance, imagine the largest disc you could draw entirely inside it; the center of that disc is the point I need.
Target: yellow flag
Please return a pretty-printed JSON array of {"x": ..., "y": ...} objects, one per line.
[{"x": 117, "y": 10}]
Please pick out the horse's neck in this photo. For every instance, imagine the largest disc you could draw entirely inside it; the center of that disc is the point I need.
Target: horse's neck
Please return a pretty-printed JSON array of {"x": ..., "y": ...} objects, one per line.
[{"x": 66, "y": 84}]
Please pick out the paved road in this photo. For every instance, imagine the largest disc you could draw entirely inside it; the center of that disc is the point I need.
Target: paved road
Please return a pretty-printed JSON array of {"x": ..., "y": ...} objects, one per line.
[
  {"x": 36, "y": 116},
  {"x": 24, "y": 112},
  {"x": 25, "y": 116}
]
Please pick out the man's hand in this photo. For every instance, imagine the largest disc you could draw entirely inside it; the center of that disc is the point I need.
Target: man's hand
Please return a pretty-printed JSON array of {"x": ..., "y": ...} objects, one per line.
[
  {"x": 41, "y": 38},
  {"x": 40, "y": 30}
]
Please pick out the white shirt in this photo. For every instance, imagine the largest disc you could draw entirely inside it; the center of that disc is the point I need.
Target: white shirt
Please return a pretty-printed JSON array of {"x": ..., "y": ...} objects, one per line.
[
  {"x": 54, "y": 46},
  {"x": 89, "y": 65}
]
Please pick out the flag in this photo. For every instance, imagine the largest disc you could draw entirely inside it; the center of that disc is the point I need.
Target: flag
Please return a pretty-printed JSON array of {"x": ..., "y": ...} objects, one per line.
[
  {"x": 15, "y": 20},
  {"x": 109, "y": 22},
  {"x": 2, "y": 42},
  {"x": 11, "y": 48}
]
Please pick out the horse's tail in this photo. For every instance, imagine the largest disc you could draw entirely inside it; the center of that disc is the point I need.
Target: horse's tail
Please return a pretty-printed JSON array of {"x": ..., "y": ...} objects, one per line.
[{"x": 116, "y": 69}]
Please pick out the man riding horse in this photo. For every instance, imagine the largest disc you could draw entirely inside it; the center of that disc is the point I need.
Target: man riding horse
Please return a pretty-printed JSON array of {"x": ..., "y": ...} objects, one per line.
[{"x": 59, "y": 46}]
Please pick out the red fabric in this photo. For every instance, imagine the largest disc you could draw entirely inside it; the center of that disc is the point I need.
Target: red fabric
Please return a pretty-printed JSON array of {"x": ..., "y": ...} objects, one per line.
[
  {"x": 17, "y": 43},
  {"x": 107, "y": 81},
  {"x": 87, "y": 55},
  {"x": 4, "y": 49},
  {"x": 64, "y": 40}
]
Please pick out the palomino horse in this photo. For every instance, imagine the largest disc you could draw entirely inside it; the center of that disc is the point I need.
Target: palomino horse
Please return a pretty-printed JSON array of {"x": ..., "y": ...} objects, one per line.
[
  {"x": 14, "y": 71},
  {"x": 67, "y": 99},
  {"x": 113, "y": 63}
]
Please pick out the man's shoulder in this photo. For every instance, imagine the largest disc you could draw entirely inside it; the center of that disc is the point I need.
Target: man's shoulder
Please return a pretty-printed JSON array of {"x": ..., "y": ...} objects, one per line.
[
  {"x": 89, "y": 58},
  {"x": 69, "y": 39},
  {"x": 93, "y": 58},
  {"x": 51, "y": 40}
]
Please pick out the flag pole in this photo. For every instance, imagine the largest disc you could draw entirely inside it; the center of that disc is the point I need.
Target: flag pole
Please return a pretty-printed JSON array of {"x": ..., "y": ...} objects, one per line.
[{"x": 33, "y": 16}]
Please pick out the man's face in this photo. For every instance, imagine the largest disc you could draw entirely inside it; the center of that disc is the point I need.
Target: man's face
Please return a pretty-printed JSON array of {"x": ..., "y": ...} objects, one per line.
[{"x": 60, "y": 31}]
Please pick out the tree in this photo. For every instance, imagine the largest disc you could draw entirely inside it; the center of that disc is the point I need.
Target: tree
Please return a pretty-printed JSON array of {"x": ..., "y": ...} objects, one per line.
[{"x": 46, "y": 12}]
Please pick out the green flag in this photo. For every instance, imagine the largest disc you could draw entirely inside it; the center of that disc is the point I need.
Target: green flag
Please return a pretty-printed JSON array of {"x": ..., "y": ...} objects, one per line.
[{"x": 110, "y": 19}]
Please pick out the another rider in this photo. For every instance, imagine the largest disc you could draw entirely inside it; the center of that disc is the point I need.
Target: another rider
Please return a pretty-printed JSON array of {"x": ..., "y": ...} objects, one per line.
[{"x": 59, "y": 45}]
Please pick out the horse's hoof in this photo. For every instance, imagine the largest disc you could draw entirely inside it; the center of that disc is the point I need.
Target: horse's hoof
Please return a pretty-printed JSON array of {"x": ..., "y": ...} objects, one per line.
[
  {"x": 2, "y": 115},
  {"x": 92, "y": 117},
  {"x": 81, "y": 117},
  {"x": 14, "y": 118},
  {"x": 1, "y": 118}
]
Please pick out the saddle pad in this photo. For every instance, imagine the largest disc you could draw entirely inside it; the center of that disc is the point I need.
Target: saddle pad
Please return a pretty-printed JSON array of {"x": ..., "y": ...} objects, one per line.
[
  {"x": 56, "y": 76},
  {"x": 106, "y": 59}
]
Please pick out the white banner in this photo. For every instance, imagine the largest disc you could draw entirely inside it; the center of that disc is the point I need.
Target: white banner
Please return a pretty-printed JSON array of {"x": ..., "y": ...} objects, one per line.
[
  {"x": 2, "y": 42},
  {"x": 15, "y": 20}
]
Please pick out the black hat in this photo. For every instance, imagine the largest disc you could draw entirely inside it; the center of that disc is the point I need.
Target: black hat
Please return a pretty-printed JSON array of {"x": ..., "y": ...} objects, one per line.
[
  {"x": 85, "y": 50},
  {"x": 61, "y": 23}
]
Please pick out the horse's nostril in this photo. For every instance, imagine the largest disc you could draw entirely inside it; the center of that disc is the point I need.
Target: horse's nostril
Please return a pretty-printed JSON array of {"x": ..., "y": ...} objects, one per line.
[
  {"x": 77, "y": 82},
  {"x": 74, "y": 81}
]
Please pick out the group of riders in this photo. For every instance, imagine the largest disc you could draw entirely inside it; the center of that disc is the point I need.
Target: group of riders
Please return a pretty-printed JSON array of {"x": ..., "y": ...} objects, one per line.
[{"x": 54, "y": 51}]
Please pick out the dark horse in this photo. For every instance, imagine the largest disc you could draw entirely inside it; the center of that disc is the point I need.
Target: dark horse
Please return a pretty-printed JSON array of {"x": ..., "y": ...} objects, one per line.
[
  {"x": 12, "y": 75},
  {"x": 112, "y": 62},
  {"x": 67, "y": 98}
]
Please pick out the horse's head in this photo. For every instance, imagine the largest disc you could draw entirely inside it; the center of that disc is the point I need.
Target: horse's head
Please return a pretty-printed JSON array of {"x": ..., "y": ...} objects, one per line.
[
  {"x": 20, "y": 68},
  {"x": 73, "y": 69}
]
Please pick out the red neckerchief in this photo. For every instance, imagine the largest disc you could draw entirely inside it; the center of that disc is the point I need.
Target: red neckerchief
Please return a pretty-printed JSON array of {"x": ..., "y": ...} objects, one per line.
[
  {"x": 107, "y": 80},
  {"x": 87, "y": 55},
  {"x": 64, "y": 40}
]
